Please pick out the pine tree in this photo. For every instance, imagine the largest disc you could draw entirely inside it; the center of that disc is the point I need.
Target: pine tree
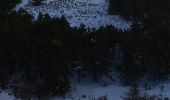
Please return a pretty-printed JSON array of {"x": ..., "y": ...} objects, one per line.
[{"x": 134, "y": 93}]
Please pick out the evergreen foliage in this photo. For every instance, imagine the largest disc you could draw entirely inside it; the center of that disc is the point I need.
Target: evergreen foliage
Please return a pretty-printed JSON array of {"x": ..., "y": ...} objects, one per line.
[{"x": 40, "y": 56}]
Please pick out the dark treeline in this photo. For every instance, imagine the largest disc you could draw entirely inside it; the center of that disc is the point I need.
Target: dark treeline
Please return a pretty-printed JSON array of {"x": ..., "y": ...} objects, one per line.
[
  {"x": 150, "y": 34},
  {"x": 7, "y": 5},
  {"x": 38, "y": 57},
  {"x": 36, "y": 2}
]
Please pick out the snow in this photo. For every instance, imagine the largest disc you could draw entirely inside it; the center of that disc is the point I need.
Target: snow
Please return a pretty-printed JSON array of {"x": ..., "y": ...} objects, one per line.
[
  {"x": 113, "y": 91},
  {"x": 92, "y": 13},
  {"x": 21, "y": 4},
  {"x": 161, "y": 89},
  {"x": 94, "y": 90},
  {"x": 5, "y": 96},
  {"x": 86, "y": 90}
]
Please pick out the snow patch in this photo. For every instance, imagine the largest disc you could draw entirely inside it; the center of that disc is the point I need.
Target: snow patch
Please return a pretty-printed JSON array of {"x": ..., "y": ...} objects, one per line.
[
  {"x": 161, "y": 89},
  {"x": 89, "y": 90},
  {"x": 21, "y": 4},
  {"x": 5, "y": 96},
  {"x": 91, "y": 13}
]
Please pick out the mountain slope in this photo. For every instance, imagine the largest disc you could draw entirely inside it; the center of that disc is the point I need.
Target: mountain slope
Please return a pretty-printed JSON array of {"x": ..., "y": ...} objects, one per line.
[{"x": 92, "y": 13}]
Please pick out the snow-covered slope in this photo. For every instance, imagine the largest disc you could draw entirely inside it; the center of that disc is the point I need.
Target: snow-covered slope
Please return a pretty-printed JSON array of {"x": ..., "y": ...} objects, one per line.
[{"x": 92, "y": 13}]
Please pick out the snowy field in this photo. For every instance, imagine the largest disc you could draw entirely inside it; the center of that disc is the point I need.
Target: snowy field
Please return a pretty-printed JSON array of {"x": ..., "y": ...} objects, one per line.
[{"x": 91, "y": 13}]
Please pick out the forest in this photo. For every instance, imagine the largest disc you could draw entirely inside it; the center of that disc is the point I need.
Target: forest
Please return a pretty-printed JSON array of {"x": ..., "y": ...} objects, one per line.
[{"x": 37, "y": 58}]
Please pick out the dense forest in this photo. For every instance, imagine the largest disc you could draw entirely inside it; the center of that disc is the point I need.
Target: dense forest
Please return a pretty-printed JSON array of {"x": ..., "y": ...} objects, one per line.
[{"x": 37, "y": 58}]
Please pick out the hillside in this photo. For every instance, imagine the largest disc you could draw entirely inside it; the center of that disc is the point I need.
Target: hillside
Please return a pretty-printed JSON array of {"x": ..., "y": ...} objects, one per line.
[{"x": 91, "y": 13}]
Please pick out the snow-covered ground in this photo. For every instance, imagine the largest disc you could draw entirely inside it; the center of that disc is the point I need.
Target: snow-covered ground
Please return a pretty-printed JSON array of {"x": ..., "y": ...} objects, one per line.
[
  {"x": 5, "y": 96},
  {"x": 92, "y": 13},
  {"x": 93, "y": 91},
  {"x": 161, "y": 89},
  {"x": 114, "y": 91},
  {"x": 88, "y": 90}
]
